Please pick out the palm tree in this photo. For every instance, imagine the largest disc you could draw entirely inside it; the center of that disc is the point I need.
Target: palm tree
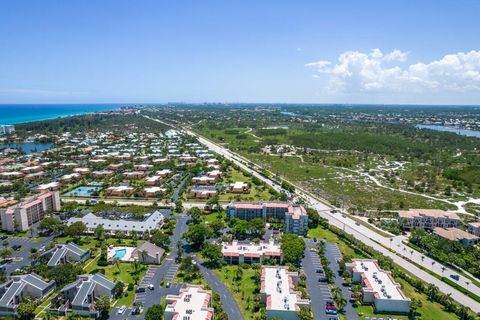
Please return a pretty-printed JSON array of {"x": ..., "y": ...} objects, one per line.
[
  {"x": 136, "y": 265},
  {"x": 144, "y": 255},
  {"x": 432, "y": 291},
  {"x": 336, "y": 291},
  {"x": 341, "y": 302},
  {"x": 423, "y": 258},
  {"x": 443, "y": 269},
  {"x": 116, "y": 262}
]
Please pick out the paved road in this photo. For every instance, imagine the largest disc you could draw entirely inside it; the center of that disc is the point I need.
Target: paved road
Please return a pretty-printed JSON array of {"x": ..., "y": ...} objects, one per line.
[
  {"x": 319, "y": 291},
  {"x": 332, "y": 252},
  {"x": 24, "y": 253},
  {"x": 361, "y": 233},
  {"x": 228, "y": 302}
]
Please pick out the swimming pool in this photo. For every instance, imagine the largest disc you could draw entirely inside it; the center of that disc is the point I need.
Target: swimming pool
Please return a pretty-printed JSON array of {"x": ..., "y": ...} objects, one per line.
[
  {"x": 83, "y": 191},
  {"x": 119, "y": 254}
]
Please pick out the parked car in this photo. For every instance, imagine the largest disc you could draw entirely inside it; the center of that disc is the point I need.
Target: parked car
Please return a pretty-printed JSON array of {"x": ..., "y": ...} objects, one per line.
[
  {"x": 3, "y": 237},
  {"x": 322, "y": 279},
  {"x": 150, "y": 286},
  {"x": 121, "y": 310},
  {"x": 330, "y": 308},
  {"x": 16, "y": 247},
  {"x": 140, "y": 289},
  {"x": 319, "y": 271}
]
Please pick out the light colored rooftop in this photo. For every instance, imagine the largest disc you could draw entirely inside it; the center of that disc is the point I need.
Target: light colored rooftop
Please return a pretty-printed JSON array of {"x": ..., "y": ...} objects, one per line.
[
  {"x": 250, "y": 249},
  {"x": 277, "y": 284},
  {"x": 431, "y": 213},
  {"x": 377, "y": 280},
  {"x": 454, "y": 234},
  {"x": 191, "y": 303}
]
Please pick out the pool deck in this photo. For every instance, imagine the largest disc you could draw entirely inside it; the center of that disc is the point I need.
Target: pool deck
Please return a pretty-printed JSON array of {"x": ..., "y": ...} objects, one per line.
[{"x": 126, "y": 258}]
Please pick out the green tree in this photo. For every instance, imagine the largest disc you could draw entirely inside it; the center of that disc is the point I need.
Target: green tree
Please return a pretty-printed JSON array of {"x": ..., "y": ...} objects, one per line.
[
  {"x": 118, "y": 289},
  {"x": 75, "y": 230},
  {"x": 197, "y": 234},
  {"x": 293, "y": 248},
  {"x": 50, "y": 225},
  {"x": 103, "y": 304},
  {"x": 305, "y": 313},
  {"x": 155, "y": 312},
  {"x": 100, "y": 232},
  {"x": 196, "y": 214},
  {"x": 26, "y": 309},
  {"x": 213, "y": 254}
]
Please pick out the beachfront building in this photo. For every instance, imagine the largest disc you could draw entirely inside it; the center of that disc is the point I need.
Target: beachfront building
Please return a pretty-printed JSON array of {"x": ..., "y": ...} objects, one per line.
[
  {"x": 21, "y": 216},
  {"x": 455, "y": 234},
  {"x": 237, "y": 252},
  {"x": 65, "y": 253},
  {"x": 474, "y": 228},
  {"x": 379, "y": 287},
  {"x": 295, "y": 217},
  {"x": 148, "y": 253},
  {"x": 91, "y": 221},
  {"x": 18, "y": 287},
  {"x": 428, "y": 219},
  {"x": 79, "y": 296},
  {"x": 278, "y": 293},
  {"x": 192, "y": 302}
]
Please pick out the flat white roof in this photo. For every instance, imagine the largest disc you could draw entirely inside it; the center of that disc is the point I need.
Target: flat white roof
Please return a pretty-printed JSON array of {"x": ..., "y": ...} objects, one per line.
[
  {"x": 379, "y": 281},
  {"x": 251, "y": 249},
  {"x": 192, "y": 302},
  {"x": 278, "y": 285}
]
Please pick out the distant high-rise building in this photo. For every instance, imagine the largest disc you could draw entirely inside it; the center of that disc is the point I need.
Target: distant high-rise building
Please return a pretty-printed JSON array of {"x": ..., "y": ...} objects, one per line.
[{"x": 7, "y": 129}]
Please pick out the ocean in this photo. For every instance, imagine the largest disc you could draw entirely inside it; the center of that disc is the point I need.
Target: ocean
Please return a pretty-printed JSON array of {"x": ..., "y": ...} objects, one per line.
[{"x": 19, "y": 113}]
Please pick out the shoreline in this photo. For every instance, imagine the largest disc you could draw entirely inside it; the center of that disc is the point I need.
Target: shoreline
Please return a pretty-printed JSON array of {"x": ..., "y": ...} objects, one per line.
[{"x": 108, "y": 108}]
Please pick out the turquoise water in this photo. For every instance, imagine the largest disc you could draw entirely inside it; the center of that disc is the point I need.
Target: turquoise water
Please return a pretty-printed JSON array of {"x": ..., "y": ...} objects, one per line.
[
  {"x": 463, "y": 132},
  {"x": 82, "y": 191},
  {"x": 28, "y": 148},
  {"x": 19, "y": 113},
  {"x": 119, "y": 253}
]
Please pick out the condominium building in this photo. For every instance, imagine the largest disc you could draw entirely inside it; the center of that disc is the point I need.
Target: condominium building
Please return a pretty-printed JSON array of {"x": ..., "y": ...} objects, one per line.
[
  {"x": 248, "y": 252},
  {"x": 192, "y": 303},
  {"x": 79, "y": 296},
  {"x": 474, "y": 228},
  {"x": 294, "y": 217},
  {"x": 455, "y": 234},
  {"x": 379, "y": 287},
  {"x": 22, "y": 216},
  {"x": 278, "y": 293},
  {"x": 428, "y": 219},
  {"x": 65, "y": 253},
  {"x": 91, "y": 221},
  {"x": 18, "y": 287}
]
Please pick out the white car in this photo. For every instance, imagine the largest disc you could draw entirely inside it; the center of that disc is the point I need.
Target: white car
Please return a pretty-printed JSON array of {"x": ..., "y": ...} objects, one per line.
[
  {"x": 121, "y": 310},
  {"x": 150, "y": 286}
]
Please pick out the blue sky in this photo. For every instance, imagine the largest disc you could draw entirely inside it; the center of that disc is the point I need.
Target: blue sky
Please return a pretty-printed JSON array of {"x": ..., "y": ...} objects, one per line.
[{"x": 240, "y": 51}]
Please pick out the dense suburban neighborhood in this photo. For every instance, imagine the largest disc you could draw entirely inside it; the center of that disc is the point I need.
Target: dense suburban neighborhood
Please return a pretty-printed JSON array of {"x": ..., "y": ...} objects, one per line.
[{"x": 156, "y": 222}]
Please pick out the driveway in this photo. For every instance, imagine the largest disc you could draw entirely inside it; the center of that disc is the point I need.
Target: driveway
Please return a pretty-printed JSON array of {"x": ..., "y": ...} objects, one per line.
[
  {"x": 24, "y": 253},
  {"x": 319, "y": 291},
  {"x": 332, "y": 252},
  {"x": 228, "y": 302}
]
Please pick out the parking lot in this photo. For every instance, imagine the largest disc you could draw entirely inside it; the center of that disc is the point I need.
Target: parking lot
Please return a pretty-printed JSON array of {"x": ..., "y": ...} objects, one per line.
[{"x": 319, "y": 291}]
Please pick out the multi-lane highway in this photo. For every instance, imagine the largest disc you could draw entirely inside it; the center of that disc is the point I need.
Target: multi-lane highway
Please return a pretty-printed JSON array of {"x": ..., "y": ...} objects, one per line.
[{"x": 368, "y": 236}]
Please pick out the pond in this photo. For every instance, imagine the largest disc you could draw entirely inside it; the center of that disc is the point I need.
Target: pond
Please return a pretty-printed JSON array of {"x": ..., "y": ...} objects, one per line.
[
  {"x": 83, "y": 191},
  {"x": 28, "y": 148},
  {"x": 436, "y": 127}
]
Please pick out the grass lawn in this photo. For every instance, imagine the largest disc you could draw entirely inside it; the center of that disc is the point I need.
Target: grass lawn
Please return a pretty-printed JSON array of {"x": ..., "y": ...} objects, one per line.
[
  {"x": 214, "y": 216},
  {"x": 244, "y": 292},
  {"x": 327, "y": 235},
  {"x": 256, "y": 193}
]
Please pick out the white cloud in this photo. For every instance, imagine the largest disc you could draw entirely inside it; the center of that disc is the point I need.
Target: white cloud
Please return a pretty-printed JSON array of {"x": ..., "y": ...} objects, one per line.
[{"x": 377, "y": 72}]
